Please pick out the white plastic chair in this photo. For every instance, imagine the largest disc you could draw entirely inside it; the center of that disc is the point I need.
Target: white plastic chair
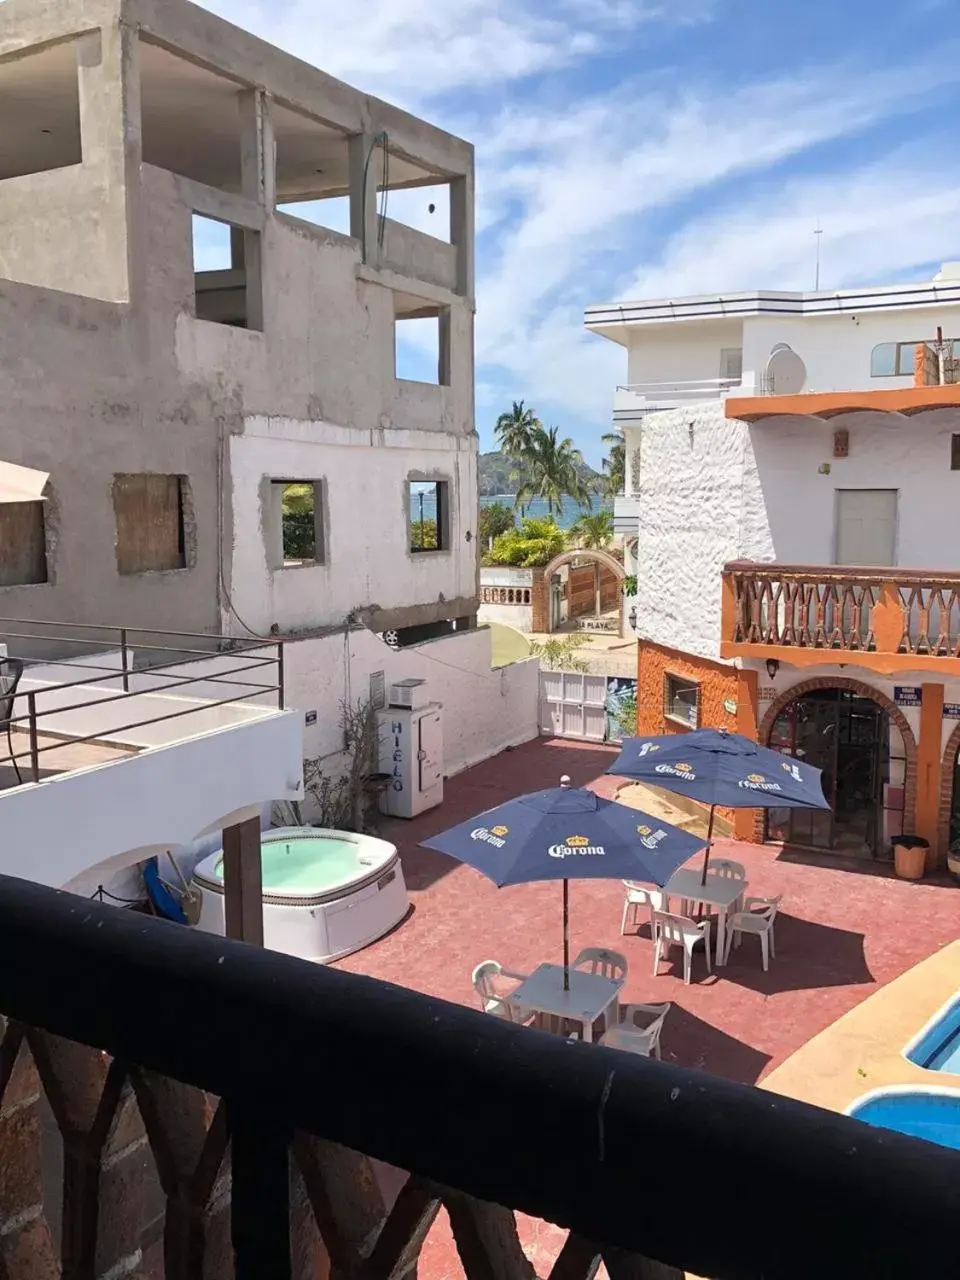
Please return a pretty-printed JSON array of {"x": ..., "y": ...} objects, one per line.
[
  {"x": 640, "y": 896},
  {"x": 679, "y": 931},
  {"x": 494, "y": 994},
  {"x": 756, "y": 918},
  {"x": 609, "y": 964},
  {"x": 638, "y": 1030},
  {"x": 727, "y": 869}
]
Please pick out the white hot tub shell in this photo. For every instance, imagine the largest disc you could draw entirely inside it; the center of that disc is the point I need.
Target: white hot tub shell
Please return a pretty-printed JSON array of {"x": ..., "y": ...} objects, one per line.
[{"x": 325, "y": 893}]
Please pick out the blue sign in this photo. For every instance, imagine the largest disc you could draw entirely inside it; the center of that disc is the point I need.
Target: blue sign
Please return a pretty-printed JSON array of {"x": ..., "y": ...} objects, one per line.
[
  {"x": 952, "y": 710},
  {"x": 907, "y": 695},
  {"x": 311, "y": 717}
]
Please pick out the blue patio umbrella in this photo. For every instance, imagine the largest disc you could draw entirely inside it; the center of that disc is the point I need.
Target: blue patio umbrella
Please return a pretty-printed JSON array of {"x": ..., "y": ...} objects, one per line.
[
  {"x": 567, "y": 833},
  {"x": 716, "y": 767}
]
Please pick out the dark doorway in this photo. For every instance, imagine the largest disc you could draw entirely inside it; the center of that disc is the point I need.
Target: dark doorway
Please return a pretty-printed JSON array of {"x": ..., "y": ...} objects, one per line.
[{"x": 860, "y": 750}]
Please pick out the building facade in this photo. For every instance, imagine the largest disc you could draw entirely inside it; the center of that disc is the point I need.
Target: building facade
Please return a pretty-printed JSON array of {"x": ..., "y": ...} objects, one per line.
[
  {"x": 797, "y": 528},
  {"x": 229, "y": 446}
]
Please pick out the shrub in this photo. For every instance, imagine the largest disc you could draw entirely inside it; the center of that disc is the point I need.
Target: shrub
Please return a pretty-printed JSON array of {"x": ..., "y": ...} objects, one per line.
[{"x": 532, "y": 545}]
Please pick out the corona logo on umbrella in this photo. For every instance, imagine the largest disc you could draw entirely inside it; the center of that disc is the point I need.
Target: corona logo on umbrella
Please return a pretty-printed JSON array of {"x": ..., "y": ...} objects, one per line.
[
  {"x": 757, "y": 782},
  {"x": 574, "y": 845},
  {"x": 650, "y": 838},
  {"x": 793, "y": 771},
  {"x": 499, "y": 831},
  {"x": 680, "y": 770},
  {"x": 494, "y": 836}
]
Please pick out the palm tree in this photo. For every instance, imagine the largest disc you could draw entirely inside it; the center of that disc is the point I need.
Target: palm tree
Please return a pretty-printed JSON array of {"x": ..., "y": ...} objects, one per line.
[
  {"x": 593, "y": 532},
  {"x": 614, "y": 479},
  {"x": 514, "y": 429},
  {"x": 551, "y": 470}
]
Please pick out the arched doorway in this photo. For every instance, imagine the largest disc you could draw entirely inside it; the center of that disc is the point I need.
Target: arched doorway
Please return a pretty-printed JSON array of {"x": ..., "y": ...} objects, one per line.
[
  {"x": 603, "y": 560},
  {"x": 950, "y": 792},
  {"x": 867, "y": 753}
]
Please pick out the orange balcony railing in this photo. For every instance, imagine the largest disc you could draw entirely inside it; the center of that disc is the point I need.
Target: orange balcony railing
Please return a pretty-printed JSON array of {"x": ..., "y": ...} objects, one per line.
[{"x": 906, "y": 617}]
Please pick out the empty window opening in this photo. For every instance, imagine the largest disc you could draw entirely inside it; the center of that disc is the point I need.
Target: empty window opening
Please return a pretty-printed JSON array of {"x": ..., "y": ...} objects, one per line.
[
  {"x": 313, "y": 170},
  {"x": 190, "y": 122},
  {"x": 226, "y": 274},
  {"x": 40, "y": 110},
  {"x": 421, "y": 341},
  {"x": 681, "y": 700},
  {"x": 424, "y": 208},
  {"x": 23, "y": 544},
  {"x": 154, "y": 523},
  {"x": 296, "y": 523},
  {"x": 429, "y": 515},
  {"x": 955, "y": 453}
]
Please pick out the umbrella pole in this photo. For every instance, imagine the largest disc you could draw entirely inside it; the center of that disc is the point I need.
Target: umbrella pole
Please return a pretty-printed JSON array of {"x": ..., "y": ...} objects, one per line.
[
  {"x": 706, "y": 858},
  {"x": 566, "y": 935}
]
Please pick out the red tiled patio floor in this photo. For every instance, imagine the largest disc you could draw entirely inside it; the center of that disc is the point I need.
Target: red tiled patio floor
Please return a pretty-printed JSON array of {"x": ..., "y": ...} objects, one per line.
[{"x": 842, "y": 932}]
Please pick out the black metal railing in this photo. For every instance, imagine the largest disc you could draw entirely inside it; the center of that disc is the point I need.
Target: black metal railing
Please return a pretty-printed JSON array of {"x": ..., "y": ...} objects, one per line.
[
  {"x": 639, "y": 1159},
  {"x": 143, "y": 653}
]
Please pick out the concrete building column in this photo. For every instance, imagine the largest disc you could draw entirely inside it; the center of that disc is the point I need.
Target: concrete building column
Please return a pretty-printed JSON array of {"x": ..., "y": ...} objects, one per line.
[
  {"x": 258, "y": 148},
  {"x": 744, "y": 820},
  {"x": 108, "y": 83},
  {"x": 462, "y": 232},
  {"x": 363, "y": 200},
  {"x": 929, "y": 765}
]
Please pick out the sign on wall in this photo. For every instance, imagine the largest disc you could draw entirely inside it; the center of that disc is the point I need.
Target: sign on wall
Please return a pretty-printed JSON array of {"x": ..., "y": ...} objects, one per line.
[
  {"x": 621, "y": 708},
  {"x": 907, "y": 695},
  {"x": 952, "y": 710}
]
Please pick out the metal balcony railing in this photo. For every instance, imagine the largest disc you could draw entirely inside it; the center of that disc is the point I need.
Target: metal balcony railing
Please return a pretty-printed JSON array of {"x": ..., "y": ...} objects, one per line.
[
  {"x": 265, "y": 1086},
  {"x": 651, "y": 396},
  {"x": 151, "y": 663},
  {"x": 842, "y": 607}
]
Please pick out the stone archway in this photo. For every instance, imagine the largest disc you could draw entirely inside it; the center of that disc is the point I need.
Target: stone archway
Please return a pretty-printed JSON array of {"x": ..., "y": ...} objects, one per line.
[
  {"x": 603, "y": 558},
  {"x": 946, "y": 790},
  {"x": 864, "y": 691}
]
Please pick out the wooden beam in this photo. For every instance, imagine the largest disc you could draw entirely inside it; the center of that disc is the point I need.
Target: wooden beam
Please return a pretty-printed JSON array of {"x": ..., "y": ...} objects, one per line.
[{"x": 243, "y": 882}]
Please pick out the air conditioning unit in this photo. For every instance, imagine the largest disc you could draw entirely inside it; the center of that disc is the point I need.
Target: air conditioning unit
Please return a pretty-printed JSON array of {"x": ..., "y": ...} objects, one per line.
[{"x": 404, "y": 694}]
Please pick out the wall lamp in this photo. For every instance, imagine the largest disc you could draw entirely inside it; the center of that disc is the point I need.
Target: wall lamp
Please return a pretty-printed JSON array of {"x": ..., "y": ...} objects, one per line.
[{"x": 773, "y": 666}]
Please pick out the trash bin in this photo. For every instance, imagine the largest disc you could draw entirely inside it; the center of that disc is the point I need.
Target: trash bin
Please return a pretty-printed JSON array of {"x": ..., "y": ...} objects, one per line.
[{"x": 909, "y": 856}]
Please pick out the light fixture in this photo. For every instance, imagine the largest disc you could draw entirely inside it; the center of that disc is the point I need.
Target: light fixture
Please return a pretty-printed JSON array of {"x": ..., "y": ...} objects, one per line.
[{"x": 773, "y": 666}]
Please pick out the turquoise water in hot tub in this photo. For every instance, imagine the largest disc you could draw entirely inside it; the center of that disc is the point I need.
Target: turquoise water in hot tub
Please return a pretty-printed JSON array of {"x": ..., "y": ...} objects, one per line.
[
  {"x": 935, "y": 1117},
  {"x": 307, "y": 865},
  {"x": 939, "y": 1048}
]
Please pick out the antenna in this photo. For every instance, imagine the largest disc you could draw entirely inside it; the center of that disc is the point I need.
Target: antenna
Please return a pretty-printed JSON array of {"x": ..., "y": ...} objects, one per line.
[{"x": 819, "y": 234}]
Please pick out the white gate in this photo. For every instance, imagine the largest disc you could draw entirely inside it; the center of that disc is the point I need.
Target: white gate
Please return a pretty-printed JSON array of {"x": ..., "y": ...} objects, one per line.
[{"x": 573, "y": 705}]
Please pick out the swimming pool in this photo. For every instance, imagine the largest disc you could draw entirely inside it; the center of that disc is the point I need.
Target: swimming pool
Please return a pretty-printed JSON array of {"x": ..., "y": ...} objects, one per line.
[
  {"x": 932, "y": 1114},
  {"x": 937, "y": 1047},
  {"x": 325, "y": 893}
]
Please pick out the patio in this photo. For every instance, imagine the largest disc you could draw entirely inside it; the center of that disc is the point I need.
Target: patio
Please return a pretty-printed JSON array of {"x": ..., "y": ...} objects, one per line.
[{"x": 842, "y": 933}]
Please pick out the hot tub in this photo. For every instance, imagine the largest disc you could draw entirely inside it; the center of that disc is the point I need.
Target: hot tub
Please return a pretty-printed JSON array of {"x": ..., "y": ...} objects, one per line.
[
  {"x": 325, "y": 893},
  {"x": 932, "y": 1114},
  {"x": 937, "y": 1047}
]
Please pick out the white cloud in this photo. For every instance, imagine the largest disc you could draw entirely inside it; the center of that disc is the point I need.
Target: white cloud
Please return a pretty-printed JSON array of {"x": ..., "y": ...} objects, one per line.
[{"x": 414, "y": 51}]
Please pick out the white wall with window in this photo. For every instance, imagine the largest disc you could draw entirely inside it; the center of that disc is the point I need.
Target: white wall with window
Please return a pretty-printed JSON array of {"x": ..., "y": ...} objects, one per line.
[
  {"x": 321, "y": 520},
  {"x": 714, "y": 489},
  {"x": 688, "y": 352}
]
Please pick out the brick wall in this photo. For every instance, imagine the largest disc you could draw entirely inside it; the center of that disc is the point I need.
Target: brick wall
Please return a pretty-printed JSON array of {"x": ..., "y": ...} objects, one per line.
[
  {"x": 946, "y": 794},
  {"x": 926, "y": 367},
  {"x": 540, "y": 597}
]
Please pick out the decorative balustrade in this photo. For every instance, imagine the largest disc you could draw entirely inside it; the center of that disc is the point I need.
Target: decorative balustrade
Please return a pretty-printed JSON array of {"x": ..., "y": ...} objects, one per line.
[
  {"x": 257, "y": 1080},
  {"x": 505, "y": 595},
  {"x": 843, "y": 608}
]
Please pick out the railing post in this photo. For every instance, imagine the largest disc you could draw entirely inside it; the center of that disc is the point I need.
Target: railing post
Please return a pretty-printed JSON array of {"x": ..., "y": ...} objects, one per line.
[
  {"x": 887, "y": 619},
  {"x": 34, "y": 747},
  {"x": 123, "y": 658},
  {"x": 260, "y": 1191},
  {"x": 280, "y": 675}
]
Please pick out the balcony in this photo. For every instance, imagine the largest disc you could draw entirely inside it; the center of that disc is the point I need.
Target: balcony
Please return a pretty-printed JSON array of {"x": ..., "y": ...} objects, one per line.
[
  {"x": 133, "y": 742},
  {"x": 632, "y": 402},
  {"x": 888, "y": 619},
  {"x": 274, "y": 1166},
  {"x": 626, "y": 514}
]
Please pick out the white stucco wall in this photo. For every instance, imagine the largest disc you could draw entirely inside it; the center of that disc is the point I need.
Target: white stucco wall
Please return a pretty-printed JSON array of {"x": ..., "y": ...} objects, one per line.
[
  {"x": 519, "y": 616},
  {"x": 367, "y": 556},
  {"x": 714, "y": 490},
  {"x": 485, "y": 710},
  {"x": 680, "y": 353}
]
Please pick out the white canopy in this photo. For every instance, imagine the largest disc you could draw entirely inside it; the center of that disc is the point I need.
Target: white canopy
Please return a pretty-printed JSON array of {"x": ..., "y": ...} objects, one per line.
[{"x": 21, "y": 484}]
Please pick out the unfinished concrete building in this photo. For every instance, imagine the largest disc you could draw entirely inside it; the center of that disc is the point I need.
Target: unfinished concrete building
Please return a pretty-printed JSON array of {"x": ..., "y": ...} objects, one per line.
[{"x": 229, "y": 447}]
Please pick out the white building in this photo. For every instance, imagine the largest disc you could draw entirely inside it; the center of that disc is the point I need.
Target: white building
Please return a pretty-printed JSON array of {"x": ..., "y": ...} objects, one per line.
[{"x": 796, "y": 434}]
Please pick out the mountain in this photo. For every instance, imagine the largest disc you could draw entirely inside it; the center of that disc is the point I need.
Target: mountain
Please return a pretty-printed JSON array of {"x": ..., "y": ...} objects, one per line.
[{"x": 494, "y": 471}]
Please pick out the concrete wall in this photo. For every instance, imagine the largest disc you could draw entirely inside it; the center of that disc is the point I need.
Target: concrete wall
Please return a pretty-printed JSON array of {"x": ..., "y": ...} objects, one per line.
[
  {"x": 496, "y": 583},
  {"x": 714, "y": 490},
  {"x": 485, "y": 710},
  {"x": 112, "y": 372},
  {"x": 680, "y": 353}
]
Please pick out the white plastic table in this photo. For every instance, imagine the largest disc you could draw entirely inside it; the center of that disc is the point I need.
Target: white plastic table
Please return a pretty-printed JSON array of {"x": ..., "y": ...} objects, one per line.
[
  {"x": 589, "y": 997},
  {"x": 719, "y": 891}
]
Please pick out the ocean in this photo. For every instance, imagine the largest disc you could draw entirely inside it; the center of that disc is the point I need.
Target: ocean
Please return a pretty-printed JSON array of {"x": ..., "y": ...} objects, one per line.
[{"x": 570, "y": 515}]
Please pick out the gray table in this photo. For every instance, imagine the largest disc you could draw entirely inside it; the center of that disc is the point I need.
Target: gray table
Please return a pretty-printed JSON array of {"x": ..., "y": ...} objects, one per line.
[
  {"x": 589, "y": 997},
  {"x": 719, "y": 891}
]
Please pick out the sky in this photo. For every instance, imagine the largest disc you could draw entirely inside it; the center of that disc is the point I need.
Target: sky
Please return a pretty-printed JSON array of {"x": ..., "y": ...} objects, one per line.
[{"x": 655, "y": 148}]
